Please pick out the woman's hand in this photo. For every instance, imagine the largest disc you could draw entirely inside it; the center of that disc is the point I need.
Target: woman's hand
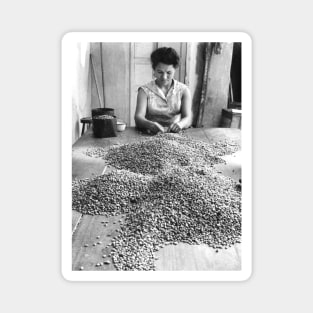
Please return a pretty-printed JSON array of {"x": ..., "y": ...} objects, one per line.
[
  {"x": 156, "y": 128},
  {"x": 175, "y": 128}
]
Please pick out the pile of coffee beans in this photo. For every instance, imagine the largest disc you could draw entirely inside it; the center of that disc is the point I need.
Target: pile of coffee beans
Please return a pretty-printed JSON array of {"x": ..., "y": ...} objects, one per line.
[
  {"x": 168, "y": 191},
  {"x": 103, "y": 117}
]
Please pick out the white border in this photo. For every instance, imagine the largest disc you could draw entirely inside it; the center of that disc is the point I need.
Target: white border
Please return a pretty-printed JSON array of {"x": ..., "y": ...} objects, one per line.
[{"x": 67, "y": 41}]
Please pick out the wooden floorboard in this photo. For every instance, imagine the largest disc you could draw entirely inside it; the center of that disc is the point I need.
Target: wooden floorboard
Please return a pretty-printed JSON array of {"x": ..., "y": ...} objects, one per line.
[
  {"x": 76, "y": 217},
  {"x": 89, "y": 228},
  {"x": 185, "y": 257},
  {"x": 232, "y": 168},
  {"x": 217, "y": 134},
  {"x": 197, "y": 133},
  {"x": 86, "y": 167}
]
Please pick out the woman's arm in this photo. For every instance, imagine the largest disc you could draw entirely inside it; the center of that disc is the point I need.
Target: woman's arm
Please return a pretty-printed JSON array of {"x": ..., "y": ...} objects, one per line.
[
  {"x": 140, "y": 114},
  {"x": 186, "y": 114}
]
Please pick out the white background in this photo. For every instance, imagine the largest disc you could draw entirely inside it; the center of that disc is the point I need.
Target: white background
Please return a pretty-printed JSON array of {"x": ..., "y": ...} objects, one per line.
[{"x": 30, "y": 277}]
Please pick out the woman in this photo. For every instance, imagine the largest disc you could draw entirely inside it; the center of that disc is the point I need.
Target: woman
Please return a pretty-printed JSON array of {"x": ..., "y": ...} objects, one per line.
[{"x": 164, "y": 102}]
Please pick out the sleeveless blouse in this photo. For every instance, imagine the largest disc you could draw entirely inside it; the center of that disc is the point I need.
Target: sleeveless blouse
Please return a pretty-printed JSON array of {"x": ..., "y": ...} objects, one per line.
[{"x": 160, "y": 108}]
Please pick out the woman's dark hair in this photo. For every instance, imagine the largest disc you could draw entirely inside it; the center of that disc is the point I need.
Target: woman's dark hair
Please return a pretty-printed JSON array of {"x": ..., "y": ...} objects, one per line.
[{"x": 164, "y": 55}]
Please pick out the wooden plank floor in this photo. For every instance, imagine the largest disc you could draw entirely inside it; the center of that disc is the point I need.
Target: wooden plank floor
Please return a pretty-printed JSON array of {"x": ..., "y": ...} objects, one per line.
[
  {"x": 232, "y": 168},
  {"x": 87, "y": 229},
  {"x": 94, "y": 232},
  {"x": 185, "y": 257},
  {"x": 76, "y": 218}
]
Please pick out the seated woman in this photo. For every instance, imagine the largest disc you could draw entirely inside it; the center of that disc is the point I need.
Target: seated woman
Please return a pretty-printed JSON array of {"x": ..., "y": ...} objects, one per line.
[{"x": 163, "y": 104}]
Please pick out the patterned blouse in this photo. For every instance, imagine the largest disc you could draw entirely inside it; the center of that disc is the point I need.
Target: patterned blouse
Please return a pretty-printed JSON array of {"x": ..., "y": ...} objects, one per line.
[{"x": 160, "y": 108}]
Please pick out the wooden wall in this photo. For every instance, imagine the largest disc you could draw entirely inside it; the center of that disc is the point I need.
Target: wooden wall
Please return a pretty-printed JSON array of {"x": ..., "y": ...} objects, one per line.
[
  {"x": 195, "y": 70},
  {"x": 218, "y": 77},
  {"x": 110, "y": 81}
]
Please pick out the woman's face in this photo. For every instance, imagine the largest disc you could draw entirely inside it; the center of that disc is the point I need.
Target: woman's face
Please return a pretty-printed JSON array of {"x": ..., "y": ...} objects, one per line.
[{"x": 164, "y": 74}]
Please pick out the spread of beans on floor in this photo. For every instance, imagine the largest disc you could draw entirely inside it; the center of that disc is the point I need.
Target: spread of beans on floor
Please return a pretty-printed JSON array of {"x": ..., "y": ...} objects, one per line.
[{"x": 168, "y": 192}]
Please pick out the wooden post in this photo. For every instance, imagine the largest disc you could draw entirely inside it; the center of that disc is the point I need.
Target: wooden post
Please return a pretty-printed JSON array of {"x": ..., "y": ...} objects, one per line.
[
  {"x": 217, "y": 86},
  {"x": 96, "y": 57}
]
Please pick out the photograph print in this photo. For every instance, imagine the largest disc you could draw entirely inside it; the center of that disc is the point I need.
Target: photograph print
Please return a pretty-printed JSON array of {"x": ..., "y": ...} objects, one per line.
[{"x": 156, "y": 132}]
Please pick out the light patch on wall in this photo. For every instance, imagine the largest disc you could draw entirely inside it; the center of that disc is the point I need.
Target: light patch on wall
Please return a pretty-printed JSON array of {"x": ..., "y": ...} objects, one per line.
[
  {"x": 83, "y": 51},
  {"x": 81, "y": 96}
]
